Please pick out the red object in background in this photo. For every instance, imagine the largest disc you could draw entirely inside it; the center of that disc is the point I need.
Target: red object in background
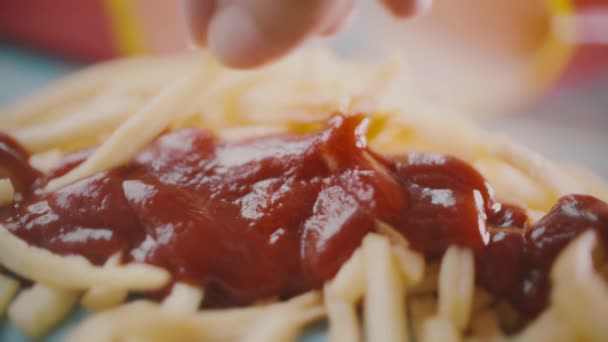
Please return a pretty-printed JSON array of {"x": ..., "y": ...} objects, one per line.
[
  {"x": 590, "y": 55},
  {"x": 77, "y": 29}
]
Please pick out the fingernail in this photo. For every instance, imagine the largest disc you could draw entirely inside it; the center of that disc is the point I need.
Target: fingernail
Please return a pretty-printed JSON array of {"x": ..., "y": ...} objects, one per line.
[
  {"x": 406, "y": 8},
  {"x": 423, "y": 6},
  {"x": 236, "y": 39},
  {"x": 340, "y": 16}
]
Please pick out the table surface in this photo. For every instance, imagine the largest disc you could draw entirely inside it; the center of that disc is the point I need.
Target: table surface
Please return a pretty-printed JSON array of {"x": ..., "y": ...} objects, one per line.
[{"x": 569, "y": 126}]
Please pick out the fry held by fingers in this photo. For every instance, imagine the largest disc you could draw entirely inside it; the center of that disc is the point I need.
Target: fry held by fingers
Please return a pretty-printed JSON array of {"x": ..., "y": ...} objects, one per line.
[{"x": 249, "y": 33}]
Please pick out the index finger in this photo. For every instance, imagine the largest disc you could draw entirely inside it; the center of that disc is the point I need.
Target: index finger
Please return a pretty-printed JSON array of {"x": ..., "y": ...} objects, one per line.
[
  {"x": 406, "y": 8},
  {"x": 248, "y": 33}
]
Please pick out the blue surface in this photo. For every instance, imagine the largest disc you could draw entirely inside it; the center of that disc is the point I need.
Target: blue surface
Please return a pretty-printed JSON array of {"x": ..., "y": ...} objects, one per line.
[{"x": 22, "y": 71}]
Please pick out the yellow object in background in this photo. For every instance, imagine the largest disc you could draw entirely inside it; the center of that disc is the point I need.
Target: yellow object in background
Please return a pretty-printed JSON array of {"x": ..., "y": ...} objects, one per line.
[{"x": 126, "y": 26}]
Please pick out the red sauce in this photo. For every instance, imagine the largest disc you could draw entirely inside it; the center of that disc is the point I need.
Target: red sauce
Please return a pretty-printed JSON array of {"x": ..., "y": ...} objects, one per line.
[
  {"x": 278, "y": 215},
  {"x": 14, "y": 163}
]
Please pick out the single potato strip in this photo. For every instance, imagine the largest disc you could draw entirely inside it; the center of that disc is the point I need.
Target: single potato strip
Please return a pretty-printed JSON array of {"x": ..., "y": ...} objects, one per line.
[
  {"x": 147, "y": 321},
  {"x": 138, "y": 321},
  {"x": 282, "y": 323},
  {"x": 547, "y": 327},
  {"x": 343, "y": 321},
  {"x": 421, "y": 308},
  {"x": 74, "y": 272},
  {"x": 411, "y": 264},
  {"x": 47, "y": 160},
  {"x": 40, "y": 308},
  {"x": 341, "y": 296},
  {"x": 83, "y": 125},
  {"x": 349, "y": 283},
  {"x": 384, "y": 302},
  {"x": 183, "y": 298},
  {"x": 99, "y": 297},
  {"x": 8, "y": 290},
  {"x": 439, "y": 329},
  {"x": 542, "y": 170},
  {"x": 580, "y": 295},
  {"x": 456, "y": 285}
]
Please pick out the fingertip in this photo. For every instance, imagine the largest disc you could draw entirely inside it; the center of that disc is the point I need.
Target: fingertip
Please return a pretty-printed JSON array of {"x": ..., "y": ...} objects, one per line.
[
  {"x": 249, "y": 33},
  {"x": 407, "y": 8},
  {"x": 235, "y": 38},
  {"x": 423, "y": 6},
  {"x": 340, "y": 17}
]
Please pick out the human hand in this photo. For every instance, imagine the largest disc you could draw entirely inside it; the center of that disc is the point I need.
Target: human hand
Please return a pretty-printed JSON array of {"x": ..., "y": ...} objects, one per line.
[{"x": 249, "y": 33}]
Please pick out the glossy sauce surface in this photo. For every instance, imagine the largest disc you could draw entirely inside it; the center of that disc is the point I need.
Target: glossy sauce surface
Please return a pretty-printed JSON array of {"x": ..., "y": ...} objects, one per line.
[{"x": 278, "y": 215}]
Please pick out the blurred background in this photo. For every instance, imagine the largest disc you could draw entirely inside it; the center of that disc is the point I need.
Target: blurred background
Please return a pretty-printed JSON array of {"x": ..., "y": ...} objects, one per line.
[{"x": 536, "y": 69}]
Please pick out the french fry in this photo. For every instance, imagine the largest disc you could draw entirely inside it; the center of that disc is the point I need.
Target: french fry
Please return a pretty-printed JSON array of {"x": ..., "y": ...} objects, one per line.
[
  {"x": 74, "y": 272},
  {"x": 7, "y": 192},
  {"x": 8, "y": 290},
  {"x": 47, "y": 160},
  {"x": 421, "y": 308},
  {"x": 143, "y": 126},
  {"x": 281, "y": 323},
  {"x": 384, "y": 301},
  {"x": 580, "y": 295},
  {"x": 39, "y": 308},
  {"x": 546, "y": 327},
  {"x": 456, "y": 286},
  {"x": 183, "y": 298},
  {"x": 343, "y": 321},
  {"x": 99, "y": 297},
  {"x": 439, "y": 329},
  {"x": 147, "y": 321},
  {"x": 85, "y": 124},
  {"x": 411, "y": 264},
  {"x": 349, "y": 283}
]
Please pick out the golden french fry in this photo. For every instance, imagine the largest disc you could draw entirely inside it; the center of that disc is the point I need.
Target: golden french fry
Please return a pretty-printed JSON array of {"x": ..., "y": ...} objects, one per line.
[
  {"x": 456, "y": 286},
  {"x": 183, "y": 298},
  {"x": 580, "y": 295},
  {"x": 439, "y": 329},
  {"x": 39, "y": 308},
  {"x": 47, "y": 160},
  {"x": 8, "y": 290},
  {"x": 99, "y": 297},
  {"x": 7, "y": 192},
  {"x": 349, "y": 282},
  {"x": 384, "y": 301},
  {"x": 138, "y": 130},
  {"x": 74, "y": 272},
  {"x": 342, "y": 316}
]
